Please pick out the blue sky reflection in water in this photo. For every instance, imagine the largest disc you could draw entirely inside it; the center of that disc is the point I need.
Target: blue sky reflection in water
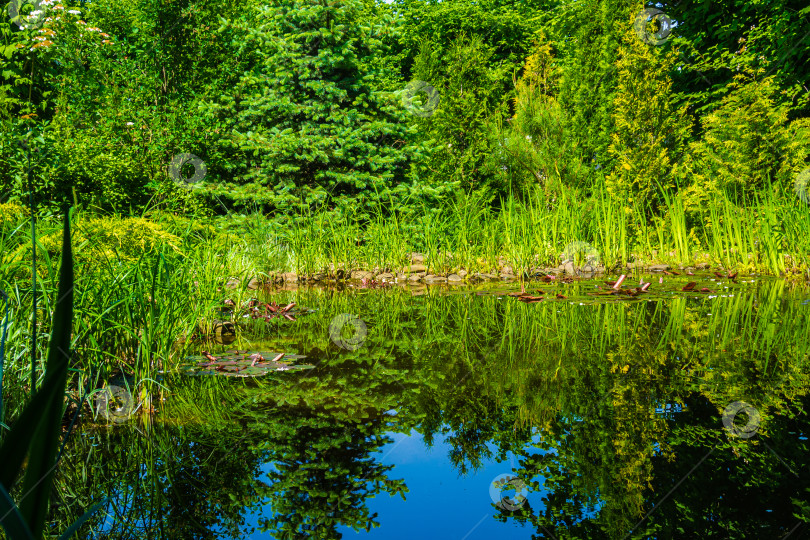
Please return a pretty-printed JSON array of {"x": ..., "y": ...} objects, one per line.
[{"x": 440, "y": 503}]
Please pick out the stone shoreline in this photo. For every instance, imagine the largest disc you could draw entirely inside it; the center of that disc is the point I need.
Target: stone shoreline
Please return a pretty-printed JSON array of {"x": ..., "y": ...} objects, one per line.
[{"x": 417, "y": 273}]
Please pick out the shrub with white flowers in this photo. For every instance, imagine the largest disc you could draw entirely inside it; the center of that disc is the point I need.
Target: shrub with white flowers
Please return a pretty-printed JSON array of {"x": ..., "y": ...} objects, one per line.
[{"x": 48, "y": 24}]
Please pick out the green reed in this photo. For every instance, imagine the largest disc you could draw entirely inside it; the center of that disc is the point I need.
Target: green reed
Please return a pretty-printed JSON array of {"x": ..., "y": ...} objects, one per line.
[
  {"x": 675, "y": 225},
  {"x": 610, "y": 231},
  {"x": 472, "y": 214}
]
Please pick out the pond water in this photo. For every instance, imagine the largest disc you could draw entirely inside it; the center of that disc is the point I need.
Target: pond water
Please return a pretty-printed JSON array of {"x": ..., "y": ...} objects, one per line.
[{"x": 465, "y": 413}]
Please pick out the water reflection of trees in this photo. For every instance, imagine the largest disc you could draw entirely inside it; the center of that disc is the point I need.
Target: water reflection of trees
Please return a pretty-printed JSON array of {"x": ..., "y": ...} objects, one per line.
[
  {"x": 162, "y": 481},
  {"x": 199, "y": 474},
  {"x": 624, "y": 397},
  {"x": 323, "y": 474},
  {"x": 590, "y": 379}
]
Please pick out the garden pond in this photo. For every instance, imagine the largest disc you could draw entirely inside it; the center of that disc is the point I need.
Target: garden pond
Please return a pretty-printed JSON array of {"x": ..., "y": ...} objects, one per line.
[{"x": 464, "y": 412}]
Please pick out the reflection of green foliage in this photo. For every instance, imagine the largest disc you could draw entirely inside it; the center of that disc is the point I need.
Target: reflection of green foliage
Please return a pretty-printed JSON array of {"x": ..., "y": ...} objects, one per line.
[
  {"x": 323, "y": 475},
  {"x": 622, "y": 398},
  {"x": 168, "y": 480}
]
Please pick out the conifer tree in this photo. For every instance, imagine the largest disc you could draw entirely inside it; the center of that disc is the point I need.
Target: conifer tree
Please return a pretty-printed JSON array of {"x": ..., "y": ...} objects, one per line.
[
  {"x": 309, "y": 119},
  {"x": 588, "y": 37},
  {"x": 649, "y": 130},
  {"x": 748, "y": 141},
  {"x": 535, "y": 147},
  {"x": 469, "y": 91}
]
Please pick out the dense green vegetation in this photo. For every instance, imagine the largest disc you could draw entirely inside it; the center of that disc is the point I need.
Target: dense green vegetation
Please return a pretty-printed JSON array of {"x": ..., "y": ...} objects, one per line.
[
  {"x": 301, "y": 104},
  {"x": 490, "y": 130},
  {"x": 202, "y": 145}
]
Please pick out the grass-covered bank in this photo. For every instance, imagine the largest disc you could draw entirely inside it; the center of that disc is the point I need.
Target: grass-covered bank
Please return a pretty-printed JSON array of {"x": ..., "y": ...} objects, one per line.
[{"x": 769, "y": 235}]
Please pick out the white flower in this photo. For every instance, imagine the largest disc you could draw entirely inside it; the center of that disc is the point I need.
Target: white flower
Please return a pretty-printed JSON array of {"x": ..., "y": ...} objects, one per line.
[
  {"x": 74, "y": 11},
  {"x": 35, "y": 13},
  {"x": 130, "y": 123},
  {"x": 58, "y": 7}
]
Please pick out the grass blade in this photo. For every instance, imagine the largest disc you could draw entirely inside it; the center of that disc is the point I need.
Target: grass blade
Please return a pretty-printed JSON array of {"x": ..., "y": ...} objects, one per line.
[
  {"x": 79, "y": 522},
  {"x": 3, "y": 354},
  {"x": 10, "y": 518}
]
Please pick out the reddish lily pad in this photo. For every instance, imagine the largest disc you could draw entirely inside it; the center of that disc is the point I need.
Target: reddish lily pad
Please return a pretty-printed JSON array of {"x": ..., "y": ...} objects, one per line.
[{"x": 242, "y": 363}]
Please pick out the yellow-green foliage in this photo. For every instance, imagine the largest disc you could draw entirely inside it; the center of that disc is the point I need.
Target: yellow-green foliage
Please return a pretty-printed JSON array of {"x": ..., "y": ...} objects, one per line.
[
  {"x": 113, "y": 238},
  {"x": 540, "y": 75},
  {"x": 749, "y": 140},
  {"x": 12, "y": 213},
  {"x": 648, "y": 124},
  {"x": 130, "y": 238},
  {"x": 191, "y": 230}
]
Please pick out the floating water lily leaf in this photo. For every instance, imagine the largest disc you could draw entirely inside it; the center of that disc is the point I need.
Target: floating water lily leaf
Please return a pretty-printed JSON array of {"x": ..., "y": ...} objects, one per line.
[
  {"x": 241, "y": 363},
  {"x": 269, "y": 311}
]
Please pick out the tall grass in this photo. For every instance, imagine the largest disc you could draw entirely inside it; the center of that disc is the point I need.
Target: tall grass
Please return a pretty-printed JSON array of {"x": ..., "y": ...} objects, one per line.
[
  {"x": 675, "y": 224},
  {"x": 610, "y": 231},
  {"x": 467, "y": 233}
]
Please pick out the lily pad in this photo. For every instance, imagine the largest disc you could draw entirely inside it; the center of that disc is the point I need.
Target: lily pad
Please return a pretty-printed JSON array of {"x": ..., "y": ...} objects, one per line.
[
  {"x": 269, "y": 310},
  {"x": 242, "y": 363}
]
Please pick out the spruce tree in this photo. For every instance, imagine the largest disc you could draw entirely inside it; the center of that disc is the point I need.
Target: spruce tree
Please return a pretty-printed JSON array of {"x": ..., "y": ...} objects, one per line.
[{"x": 307, "y": 113}]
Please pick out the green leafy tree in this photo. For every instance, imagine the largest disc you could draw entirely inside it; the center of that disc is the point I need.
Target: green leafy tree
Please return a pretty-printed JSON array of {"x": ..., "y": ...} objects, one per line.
[{"x": 708, "y": 31}]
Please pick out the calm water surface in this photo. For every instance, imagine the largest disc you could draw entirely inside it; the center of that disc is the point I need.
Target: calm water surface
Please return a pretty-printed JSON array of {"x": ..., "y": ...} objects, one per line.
[{"x": 465, "y": 413}]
